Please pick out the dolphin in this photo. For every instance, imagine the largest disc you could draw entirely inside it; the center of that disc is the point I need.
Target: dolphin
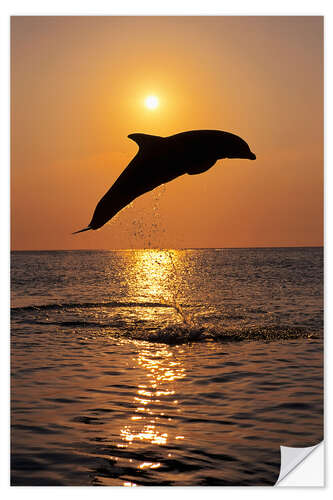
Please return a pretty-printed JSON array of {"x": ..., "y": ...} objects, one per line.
[{"x": 162, "y": 159}]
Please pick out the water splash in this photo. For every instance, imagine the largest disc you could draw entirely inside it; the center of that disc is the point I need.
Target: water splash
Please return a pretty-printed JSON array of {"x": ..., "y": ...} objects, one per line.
[{"x": 186, "y": 317}]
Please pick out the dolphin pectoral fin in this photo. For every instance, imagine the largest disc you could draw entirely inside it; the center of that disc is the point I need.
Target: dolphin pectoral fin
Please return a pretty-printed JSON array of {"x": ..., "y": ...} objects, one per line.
[
  {"x": 145, "y": 140},
  {"x": 199, "y": 167}
]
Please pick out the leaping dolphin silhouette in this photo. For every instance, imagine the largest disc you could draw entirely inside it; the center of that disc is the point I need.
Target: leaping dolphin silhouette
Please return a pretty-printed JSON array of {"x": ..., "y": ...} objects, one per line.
[{"x": 162, "y": 159}]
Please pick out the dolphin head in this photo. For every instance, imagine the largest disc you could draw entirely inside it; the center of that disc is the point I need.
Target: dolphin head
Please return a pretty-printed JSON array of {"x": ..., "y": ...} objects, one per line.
[{"x": 232, "y": 146}]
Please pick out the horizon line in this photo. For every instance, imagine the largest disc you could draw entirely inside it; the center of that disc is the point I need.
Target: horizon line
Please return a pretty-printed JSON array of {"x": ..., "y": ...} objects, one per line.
[{"x": 159, "y": 248}]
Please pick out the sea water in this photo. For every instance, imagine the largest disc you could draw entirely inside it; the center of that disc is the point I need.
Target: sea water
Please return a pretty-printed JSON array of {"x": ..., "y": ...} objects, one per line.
[{"x": 164, "y": 367}]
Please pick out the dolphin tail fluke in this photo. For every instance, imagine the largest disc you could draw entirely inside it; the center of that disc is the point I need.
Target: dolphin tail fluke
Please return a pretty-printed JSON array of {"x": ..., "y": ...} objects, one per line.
[{"x": 82, "y": 230}]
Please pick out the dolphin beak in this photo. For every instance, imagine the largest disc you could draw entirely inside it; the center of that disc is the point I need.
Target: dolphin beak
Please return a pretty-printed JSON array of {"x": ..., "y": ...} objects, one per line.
[{"x": 252, "y": 156}]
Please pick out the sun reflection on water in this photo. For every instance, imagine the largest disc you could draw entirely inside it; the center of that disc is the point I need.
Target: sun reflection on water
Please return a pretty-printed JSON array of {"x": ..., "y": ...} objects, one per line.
[
  {"x": 156, "y": 404},
  {"x": 154, "y": 273},
  {"x": 156, "y": 276}
]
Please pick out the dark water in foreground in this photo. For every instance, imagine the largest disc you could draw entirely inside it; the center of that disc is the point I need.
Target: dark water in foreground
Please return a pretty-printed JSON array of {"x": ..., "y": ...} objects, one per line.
[{"x": 153, "y": 367}]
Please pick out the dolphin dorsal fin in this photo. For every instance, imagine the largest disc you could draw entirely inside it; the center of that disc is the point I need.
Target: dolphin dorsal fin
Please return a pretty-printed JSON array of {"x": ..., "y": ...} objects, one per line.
[{"x": 145, "y": 140}]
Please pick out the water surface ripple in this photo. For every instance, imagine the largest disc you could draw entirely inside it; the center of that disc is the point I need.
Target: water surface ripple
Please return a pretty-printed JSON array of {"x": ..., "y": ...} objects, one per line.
[{"x": 159, "y": 367}]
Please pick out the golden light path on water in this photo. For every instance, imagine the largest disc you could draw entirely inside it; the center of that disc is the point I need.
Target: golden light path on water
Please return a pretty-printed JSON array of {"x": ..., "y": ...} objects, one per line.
[
  {"x": 157, "y": 275},
  {"x": 163, "y": 371},
  {"x": 153, "y": 274}
]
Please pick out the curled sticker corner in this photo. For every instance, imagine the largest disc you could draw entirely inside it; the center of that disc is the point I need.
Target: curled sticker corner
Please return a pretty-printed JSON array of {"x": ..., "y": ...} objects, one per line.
[{"x": 291, "y": 458}]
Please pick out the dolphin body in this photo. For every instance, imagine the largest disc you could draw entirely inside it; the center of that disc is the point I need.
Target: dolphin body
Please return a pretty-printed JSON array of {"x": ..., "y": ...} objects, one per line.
[{"x": 162, "y": 159}]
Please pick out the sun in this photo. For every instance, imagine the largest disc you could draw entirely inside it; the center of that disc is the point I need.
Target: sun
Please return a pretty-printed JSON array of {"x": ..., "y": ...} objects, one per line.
[{"x": 152, "y": 102}]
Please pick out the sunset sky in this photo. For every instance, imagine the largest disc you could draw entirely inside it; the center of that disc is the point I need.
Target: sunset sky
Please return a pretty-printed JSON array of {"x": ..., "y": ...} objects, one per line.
[{"x": 78, "y": 88}]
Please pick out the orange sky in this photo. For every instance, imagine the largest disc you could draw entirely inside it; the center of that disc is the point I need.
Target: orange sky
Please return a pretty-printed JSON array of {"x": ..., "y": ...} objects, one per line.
[{"x": 77, "y": 91}]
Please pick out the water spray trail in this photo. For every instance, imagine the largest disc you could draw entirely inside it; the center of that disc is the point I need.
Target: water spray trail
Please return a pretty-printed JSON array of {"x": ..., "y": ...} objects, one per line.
[
  {"x": 153, "y": 233},
  {"x": 186, "y": 318}
]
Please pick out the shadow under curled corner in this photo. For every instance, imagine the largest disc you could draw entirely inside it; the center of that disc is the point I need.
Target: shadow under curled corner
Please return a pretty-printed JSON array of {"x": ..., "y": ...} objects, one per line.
[{"x": 291, "y": 458}]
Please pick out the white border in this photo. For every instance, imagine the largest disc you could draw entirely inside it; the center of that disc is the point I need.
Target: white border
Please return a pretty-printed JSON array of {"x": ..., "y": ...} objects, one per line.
[
  {"x": 172, "y": 7},
  {"x": 142, "y": 7}
]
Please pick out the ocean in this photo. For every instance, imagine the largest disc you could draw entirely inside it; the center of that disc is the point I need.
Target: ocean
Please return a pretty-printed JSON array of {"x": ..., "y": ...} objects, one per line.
[{"x": 164, "y": 367}]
